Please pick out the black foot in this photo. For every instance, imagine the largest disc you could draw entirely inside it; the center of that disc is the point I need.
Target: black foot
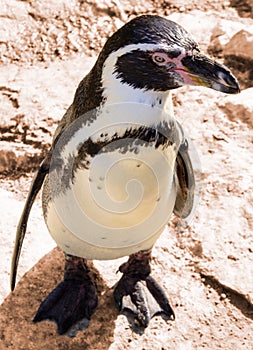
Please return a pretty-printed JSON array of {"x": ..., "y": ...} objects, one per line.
[
  {"x": 145, "y": 297},
  {"x": 73, "y": 301}
]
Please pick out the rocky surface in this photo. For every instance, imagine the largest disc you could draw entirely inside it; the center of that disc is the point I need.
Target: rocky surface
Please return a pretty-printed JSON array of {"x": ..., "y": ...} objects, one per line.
[{"x": 206, "y": 268}]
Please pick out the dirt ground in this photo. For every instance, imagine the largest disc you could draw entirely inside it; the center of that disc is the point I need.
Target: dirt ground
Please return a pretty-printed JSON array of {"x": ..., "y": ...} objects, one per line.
[{"x": 46, "y": 47}]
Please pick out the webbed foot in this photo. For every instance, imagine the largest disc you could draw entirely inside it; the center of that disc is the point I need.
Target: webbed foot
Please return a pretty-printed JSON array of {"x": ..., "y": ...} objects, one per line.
[
  {"x": 145, "y": 298},
  {"x": 71, "y": 304}
]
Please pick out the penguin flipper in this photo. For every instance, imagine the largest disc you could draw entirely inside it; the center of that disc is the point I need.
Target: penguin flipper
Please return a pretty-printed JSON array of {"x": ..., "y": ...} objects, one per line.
[
  {"x": 35, "y": 187},
  {"x": 185, "y": 180}
]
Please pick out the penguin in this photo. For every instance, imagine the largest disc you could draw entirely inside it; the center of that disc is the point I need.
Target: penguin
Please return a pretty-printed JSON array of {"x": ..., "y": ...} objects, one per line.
[{"x": 119, "y": 166}]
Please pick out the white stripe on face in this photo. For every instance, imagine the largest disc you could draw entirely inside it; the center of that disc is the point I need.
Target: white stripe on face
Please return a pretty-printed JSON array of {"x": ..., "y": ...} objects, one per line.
[{"x": 115, "y": 91}]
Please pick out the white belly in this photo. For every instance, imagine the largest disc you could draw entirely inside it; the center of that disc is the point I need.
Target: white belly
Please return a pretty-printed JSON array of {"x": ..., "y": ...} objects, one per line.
[
  {"x": 121, "y": 203},
  {"x": 118, "y": 206}
]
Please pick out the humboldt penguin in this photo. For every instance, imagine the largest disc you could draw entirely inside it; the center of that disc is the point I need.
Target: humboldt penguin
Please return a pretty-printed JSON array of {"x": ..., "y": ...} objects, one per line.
[{"x": 119, "y": 166}]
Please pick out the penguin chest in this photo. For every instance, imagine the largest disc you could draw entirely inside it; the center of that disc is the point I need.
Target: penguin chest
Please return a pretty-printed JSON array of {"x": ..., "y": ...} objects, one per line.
[
  {"x": 116, "y": 206},
  {"x": 121, "y": 190}
]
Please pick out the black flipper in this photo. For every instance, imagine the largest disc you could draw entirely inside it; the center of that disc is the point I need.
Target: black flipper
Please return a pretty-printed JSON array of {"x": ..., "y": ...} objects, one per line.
[
  {"x": 35, "y": 187},
  {"x": 187, "y": 163},
  {"x": 71, "y": 304},
  {"x": 138, "y": 294}
]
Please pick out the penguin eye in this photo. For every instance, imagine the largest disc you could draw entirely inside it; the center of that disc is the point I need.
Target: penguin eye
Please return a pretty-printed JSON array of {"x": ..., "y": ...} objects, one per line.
[{"x": 160, "y": 58}]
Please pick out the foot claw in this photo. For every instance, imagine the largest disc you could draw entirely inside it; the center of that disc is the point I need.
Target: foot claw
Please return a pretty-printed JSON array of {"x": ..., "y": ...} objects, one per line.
[
  {"x": 160, "y": 297},
  {"x": 138, "y": 293},
  {"x": 138, "y": 298},
  {"x": 68, "y": 304},
  {"x": 71, "y": 304}
]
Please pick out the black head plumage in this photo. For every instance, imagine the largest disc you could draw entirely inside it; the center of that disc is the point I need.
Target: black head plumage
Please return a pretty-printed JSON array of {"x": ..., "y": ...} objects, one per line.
[
  {"x": 126, "y": 60},
  {"x": 150, "y": 29}
]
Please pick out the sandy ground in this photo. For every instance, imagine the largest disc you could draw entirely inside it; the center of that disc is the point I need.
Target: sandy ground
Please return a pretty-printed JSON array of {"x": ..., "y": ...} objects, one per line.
[{"x": 206, "y": 268}]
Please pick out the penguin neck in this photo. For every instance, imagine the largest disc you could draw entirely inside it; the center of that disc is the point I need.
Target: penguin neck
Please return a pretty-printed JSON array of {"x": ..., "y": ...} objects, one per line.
[{"x": 114, "y": 91}]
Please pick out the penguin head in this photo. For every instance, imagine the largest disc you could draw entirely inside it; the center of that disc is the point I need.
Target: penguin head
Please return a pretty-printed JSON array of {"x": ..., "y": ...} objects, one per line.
[{"x": 153, "y": 53}]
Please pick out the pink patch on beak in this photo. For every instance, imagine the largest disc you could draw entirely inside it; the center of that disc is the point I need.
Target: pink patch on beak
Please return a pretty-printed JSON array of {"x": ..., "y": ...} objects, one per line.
[
  {"x": 186, "y": 76},
  {"x": 189, "y": 79}
]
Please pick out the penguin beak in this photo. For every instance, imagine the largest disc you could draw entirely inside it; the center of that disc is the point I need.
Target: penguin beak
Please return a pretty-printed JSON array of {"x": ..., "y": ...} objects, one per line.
[{"x": 199, "y": 69}]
